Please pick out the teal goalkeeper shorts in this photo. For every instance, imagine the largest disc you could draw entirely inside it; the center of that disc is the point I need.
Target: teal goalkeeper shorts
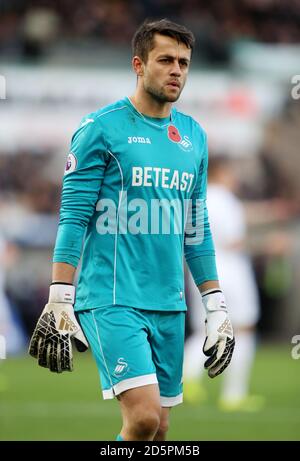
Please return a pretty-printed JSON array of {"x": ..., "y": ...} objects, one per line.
[{"x": 135, "y": 347}]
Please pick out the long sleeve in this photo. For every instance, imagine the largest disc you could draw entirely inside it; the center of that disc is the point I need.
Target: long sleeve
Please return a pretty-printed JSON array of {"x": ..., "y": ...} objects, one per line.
[
  {"x": 83, "y": 177},
  {"x": 198, "y": 244}
]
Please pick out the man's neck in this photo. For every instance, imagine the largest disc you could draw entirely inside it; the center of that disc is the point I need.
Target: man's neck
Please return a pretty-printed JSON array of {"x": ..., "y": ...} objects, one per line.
[{"x": 146, "y": 105}]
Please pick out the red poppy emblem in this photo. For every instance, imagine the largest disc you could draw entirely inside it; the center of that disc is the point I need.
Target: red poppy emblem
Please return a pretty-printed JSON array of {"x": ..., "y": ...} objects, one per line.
[{"x": 173, "y": 134}]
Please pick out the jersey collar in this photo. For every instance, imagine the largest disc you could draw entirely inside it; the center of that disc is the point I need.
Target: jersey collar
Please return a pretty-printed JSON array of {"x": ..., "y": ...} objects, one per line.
[{"x": 151, "y": 120}]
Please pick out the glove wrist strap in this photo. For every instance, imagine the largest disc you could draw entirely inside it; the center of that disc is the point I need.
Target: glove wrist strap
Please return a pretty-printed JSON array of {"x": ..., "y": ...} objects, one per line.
[
  {"x": 214, "y": 300},
  {"x": 61, "y": 293}
]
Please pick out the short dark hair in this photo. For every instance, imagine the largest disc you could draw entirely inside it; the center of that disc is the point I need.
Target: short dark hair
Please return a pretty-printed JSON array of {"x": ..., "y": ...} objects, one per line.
[{"x": 143, "y": 43}]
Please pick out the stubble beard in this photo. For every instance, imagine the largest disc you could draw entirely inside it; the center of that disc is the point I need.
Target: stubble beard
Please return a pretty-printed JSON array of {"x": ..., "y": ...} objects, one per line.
[{"x": 159, "y": 95}]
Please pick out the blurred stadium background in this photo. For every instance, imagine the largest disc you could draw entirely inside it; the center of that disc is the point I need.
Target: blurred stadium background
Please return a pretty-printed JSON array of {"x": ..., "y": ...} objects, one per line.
[{"x": 61, "y": 60}]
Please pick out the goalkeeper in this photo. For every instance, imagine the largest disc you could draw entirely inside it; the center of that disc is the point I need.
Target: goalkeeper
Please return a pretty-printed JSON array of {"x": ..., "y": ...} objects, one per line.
[{"x": 129, "y": 303}]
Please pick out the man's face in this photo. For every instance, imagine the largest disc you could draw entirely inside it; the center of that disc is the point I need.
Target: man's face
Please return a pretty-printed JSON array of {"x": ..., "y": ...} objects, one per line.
[{"x": 165, "y": 72}]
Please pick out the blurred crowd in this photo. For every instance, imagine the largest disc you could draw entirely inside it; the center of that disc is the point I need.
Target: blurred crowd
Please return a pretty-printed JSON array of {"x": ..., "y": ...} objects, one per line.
[
  {"x": 39, "y": 193},
  {"x": 29, "y": 27}
]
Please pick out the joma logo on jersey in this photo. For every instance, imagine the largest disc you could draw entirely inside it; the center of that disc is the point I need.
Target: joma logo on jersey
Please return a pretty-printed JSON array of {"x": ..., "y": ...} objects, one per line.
[
  {"x": 138, "y": 140},
  {"x": 121, "y": 367}
]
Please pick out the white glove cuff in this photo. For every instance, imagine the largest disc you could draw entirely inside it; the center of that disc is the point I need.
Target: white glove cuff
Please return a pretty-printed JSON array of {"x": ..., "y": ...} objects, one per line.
[
  {"x": 214, "y": 300},
  {"x": 60, "y": 293}
]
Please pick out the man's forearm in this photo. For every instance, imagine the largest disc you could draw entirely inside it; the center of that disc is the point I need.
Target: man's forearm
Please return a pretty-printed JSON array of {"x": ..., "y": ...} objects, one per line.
[
  {"x": 210, "y": 284},
  {"x": 63, "y": 272}
]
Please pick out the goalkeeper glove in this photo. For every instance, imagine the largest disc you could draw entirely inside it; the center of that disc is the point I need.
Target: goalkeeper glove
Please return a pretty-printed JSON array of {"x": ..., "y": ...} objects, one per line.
[
  {"x": 219, "y": 341},
  {"x": 51, "y": 340}
]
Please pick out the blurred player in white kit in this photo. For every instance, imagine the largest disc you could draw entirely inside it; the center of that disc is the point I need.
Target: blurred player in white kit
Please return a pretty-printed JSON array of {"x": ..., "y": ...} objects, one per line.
[
  {"x": 228, "y": 227},
  {"x": 12, "y": 340}
]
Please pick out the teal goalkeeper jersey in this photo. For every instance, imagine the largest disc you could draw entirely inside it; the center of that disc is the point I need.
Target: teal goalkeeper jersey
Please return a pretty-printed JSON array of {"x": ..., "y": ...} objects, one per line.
[{"x": 133, "y": 205}]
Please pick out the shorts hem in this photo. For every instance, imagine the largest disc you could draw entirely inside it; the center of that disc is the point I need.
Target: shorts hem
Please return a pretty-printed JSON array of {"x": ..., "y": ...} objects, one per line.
[
  {"x": 129, "y": 383},
  {"x": 171, "y": 401}
]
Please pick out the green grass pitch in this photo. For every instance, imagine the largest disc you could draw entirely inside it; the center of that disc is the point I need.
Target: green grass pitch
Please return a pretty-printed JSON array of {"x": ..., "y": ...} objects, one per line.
[{"x": 38, "y": 405}]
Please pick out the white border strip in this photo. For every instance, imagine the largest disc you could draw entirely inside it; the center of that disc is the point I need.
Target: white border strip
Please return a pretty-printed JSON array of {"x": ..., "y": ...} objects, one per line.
[
  {"x": 101, "y": 350},
  {"x": 120, "y": 200},
  {"x": 116, "y": 235},
  {"x": 108, "y": 394},
  {"x": 129, "y": 383},
  {"x": 171, "y": 401},
  {"x": 111, "y": 110}
]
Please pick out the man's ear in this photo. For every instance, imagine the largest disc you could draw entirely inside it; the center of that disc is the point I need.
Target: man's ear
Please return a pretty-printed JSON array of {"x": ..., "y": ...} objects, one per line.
[{"x": 138, "y": 66}]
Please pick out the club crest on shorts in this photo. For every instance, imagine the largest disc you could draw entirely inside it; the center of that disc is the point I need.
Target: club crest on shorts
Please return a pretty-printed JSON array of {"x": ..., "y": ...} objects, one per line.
[
  {"x": 121, "y": 368},
  {"x": 71, "y": 163}
]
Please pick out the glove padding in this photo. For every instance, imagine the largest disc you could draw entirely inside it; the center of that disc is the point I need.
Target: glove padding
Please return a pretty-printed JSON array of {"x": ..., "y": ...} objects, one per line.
[
  {"x": 51, "y": 340},
  {"x": 219, "y": 342}
]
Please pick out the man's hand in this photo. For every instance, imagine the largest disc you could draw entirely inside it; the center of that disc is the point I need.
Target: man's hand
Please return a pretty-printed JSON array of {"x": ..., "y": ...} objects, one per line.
[
  {"x": 219, "y": 342},
  {"x": 51, "y": 340}
]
